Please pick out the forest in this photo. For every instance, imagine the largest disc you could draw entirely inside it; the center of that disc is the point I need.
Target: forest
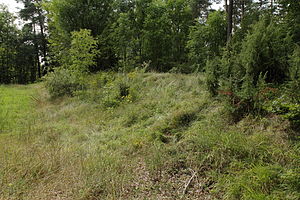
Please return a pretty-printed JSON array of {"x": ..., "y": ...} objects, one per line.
[
  {"x": 177, "y": 36},
  {"x": 150, "y": 99}
]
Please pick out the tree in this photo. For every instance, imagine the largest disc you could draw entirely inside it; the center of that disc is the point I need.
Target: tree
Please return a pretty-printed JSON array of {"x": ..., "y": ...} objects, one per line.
[
  {"x": 229, "y": 9},
  {"x": 17, "y": 52},
  {"x": 180, "y": 16},
  {"x": 83, "y": 51},
  {"x": 289, "y": 10},
  {"x": 126, "y": 40},
  {"x": 200, "y": 8},
  {"x": 27, "y": 56},
  {"x": 207, "y": 40},
  {"x": 8, "y": 41},
  {"x": 294, "y": 70},
  {"x": 34, "y": 14},
  {"x": 66, "y": 16},
  {"x": 156, "y": 37},
  {"x": 265, "y": 50}
]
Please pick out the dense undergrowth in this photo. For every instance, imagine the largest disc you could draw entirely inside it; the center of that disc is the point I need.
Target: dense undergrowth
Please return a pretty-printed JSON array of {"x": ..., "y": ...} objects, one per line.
[{"x": 145, "y": 136}]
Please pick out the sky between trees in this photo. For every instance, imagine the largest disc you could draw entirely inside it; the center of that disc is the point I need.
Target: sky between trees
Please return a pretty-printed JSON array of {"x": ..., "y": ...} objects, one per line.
[{"x": 12, "y": 5}]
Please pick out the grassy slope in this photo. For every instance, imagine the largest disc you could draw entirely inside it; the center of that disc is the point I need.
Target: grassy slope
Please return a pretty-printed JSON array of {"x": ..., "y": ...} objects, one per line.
[
  {"x": 15, "y": 102},
  {"x": 166, "y": 140}
]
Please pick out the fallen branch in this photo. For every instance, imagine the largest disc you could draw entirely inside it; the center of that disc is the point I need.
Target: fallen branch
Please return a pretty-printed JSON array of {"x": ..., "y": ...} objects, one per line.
[{"x": 188, "y": 183}]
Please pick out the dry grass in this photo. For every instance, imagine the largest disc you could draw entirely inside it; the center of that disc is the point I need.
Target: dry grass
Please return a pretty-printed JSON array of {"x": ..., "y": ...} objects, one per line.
[{"x": 147, "y": 148}]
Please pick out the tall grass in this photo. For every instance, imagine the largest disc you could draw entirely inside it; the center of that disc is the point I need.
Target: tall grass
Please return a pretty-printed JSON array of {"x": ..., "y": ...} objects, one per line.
[
  {"x": 15, "y": 104},
  {"x": 160, "y": 137}
]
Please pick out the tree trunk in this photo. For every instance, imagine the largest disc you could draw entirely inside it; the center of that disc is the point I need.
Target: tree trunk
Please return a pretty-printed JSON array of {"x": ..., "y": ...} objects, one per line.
[
  {"x": 229, "y": 19},
  {"x": 44, "y": 42},
  {"x": 37, "y": 51},
  {"x": 243, "y": 9},
  {"x": 272, "y": 2},
  {"x": 43, "y": 39}
]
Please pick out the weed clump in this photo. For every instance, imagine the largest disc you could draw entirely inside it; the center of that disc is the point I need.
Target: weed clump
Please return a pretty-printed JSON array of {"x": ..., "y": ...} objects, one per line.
[
  {"x": 170, "y": 129},
  {"x": 111, "y": 89},
  {"x": 263, "y": 182}
]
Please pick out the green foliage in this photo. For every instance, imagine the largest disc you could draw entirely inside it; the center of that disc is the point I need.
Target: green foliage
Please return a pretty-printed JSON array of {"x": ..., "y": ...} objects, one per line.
[
  {"x": 265, "y": 50},
  {"x": 291, "y": 16},
  {"x": 68, "y": 79},
  {"x": 8, "y": 46},
  {"x": 249, "y": 72},
  {"x": 294, "y": 71},
  {"x": 139, "y": 27},
  {"x": 83, "y": 51},
  {"x": 259, "y": 182},
  {"x": 207, "y": 40},
  {"x": 111, "y": 90},
  {"x": 180, "y": 16},
  {"x": 21, "y": 49},
  {"x": 212, "y": 76},
  {"x": 249, "y": 99},
  {"x": 33, "y": 15},
  {"x": 287, "y": 108},
  {"x": 63, "y": 82},
  {"x": 73, "y": 15},
  {"x": 125, "y": 41},
  {"x": 157, "y": 28},
  {"x": 68, "y": 16}
]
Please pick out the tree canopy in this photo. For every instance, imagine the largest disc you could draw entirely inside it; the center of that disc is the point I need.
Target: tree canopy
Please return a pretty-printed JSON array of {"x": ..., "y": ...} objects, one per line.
[{"x": 176, "y": 35}]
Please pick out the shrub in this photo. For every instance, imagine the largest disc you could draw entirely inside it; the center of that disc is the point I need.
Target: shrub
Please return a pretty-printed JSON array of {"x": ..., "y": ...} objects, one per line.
[
  {"x": 83, "y": 50},
  {"x": 212, "y": 75},
  {"x": 249, "y": 98},
  {"x": 265, "y": 51},
  {"x": 247, "y": 71},
  {"x": 287, "y": 104},
  {"x": 288, "y": 109},
  {"x": 63, "y": 82}
]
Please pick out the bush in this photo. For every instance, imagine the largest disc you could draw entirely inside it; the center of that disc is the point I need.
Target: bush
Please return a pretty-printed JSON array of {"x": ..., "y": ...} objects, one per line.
[
  {"x": 212, "y": 75},
  {"x": 249, "y": 98},
  {"x": 288, "y": 109},
  {"x": 265, "y": 51},
  {"x": 63, "y": 82},
  {"x": 249, "y": 70}
]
